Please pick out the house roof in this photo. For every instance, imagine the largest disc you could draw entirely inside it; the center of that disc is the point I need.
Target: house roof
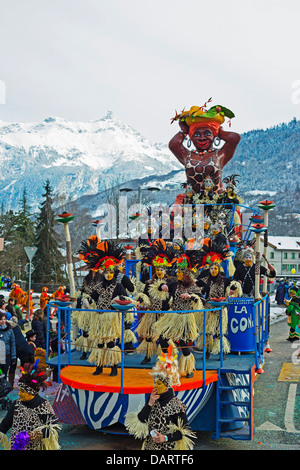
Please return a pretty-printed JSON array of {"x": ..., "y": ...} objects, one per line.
[{"x": 285, "y": 243}]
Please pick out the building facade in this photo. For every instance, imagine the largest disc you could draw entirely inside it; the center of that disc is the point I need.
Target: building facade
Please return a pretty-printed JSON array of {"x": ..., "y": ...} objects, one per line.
[{"x": 284, "y": 255}]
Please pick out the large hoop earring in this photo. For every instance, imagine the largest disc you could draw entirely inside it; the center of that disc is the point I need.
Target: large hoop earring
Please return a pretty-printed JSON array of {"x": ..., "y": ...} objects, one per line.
[{"x": 217, "y": 141}]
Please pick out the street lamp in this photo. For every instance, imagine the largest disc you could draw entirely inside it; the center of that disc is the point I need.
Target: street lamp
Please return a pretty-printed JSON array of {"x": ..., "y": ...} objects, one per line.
[{"x": 139, "y": 190}]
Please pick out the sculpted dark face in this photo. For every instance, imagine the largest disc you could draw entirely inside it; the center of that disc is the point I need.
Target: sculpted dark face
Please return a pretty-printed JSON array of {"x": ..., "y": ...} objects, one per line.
[{"x": 202, "y": 138}]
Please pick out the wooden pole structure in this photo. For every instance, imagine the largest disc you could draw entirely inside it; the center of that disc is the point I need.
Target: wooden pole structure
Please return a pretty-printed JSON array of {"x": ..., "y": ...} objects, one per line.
[
  {"x": 266, "y": 206},
  {"x": 65, "y": 218},
  {"x": 98, "y": 224},
  {"x": 257, "y": 267}
]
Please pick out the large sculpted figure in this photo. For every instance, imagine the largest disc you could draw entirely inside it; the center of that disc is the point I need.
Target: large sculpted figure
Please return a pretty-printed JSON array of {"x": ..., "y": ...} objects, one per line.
[{"x": 202, "y": 127}]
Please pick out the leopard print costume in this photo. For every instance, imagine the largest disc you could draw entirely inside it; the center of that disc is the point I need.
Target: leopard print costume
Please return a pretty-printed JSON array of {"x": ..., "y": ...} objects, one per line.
[
  {"x": 159, "y": 419},
  {"x": 29, "y": 419}
]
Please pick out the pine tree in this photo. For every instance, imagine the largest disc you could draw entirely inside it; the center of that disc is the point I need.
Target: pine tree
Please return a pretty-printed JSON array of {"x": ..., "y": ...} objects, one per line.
[
  {"x": 48, "y": 260},
  {"x": 21, "y": 235}
]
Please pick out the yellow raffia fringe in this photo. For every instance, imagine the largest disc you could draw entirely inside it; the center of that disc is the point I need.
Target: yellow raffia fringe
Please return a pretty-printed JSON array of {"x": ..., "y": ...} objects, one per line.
[
  {"x": 209, "y": 342},
  {"x": 4, "y": 441},
  {"x": 128, "y": 317},
  {"x": 145, "y": 326},
  {"x": 216, "y": 349},
  {"x": 143, "y": 299},
  {"x": 185, "y": 443},
  {"x": 105, "y": 326},
  {"x": 129, "y": 336},
  {"x": 174, "y": 349},
  {"x": 96, "y": 357},
  {"x": 112, "y": 356},
  {"x": 231, "y": 267},
  {"x": 51, "y": 442},
  {"x": 147, "y": 348},
  {"x": 83, "y": 344},
  {"x": 155, "y": 293},
  {"x": 105, "y": 356},
  {"x": 238, "y": 286},
  {"x": 134, "y": 426},
  {"x": 186, "y": 364},
  {"x": 211, "y": 322},
  {"x": 176, "y": 326}
]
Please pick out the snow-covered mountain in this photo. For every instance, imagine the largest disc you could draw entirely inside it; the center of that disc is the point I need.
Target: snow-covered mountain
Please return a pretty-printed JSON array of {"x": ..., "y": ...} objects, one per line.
[
  {"x": 82, "y": 159},
  {"x": 79, "y": 158}
]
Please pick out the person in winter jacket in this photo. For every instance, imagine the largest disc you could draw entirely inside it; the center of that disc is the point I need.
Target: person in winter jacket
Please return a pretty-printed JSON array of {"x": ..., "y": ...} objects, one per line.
[
  {"x": 23, "y": 350},
  {"x": 38, "y": 326},
  {"x": 8, "y": 354}
]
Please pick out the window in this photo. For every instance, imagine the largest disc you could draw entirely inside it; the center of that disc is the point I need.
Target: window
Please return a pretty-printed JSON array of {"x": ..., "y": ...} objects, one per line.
[
  {"x": 272, "y": 255},
  {"x": 293, "y": 255},
  {"x": 284, "y": 255},
  {"x": 284, "y": 267}
]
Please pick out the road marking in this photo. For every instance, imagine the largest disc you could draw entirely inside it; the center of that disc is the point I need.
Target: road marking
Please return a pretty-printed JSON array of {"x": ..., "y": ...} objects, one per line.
[
  {"x": 289, "y": 372},
  {"x": 289, "y": 411},
  {"x": 267, "y": 426}
]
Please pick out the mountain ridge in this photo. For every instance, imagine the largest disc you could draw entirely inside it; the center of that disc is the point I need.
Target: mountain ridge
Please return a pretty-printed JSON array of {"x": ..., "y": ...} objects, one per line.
[{"x": 82, "y": 160}]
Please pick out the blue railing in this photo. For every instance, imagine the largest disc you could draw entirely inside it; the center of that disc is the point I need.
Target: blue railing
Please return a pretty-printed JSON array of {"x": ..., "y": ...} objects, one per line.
[
  {"x": 260, "y": 314},
  {"x": 64, "y": 313}
]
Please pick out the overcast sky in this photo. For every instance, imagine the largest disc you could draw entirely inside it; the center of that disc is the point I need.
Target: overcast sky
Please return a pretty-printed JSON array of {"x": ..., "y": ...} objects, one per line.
[{"x": 77, "y": 59}]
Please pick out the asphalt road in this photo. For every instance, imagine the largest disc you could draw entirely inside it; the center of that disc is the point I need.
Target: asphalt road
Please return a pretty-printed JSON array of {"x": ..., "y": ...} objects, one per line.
[{"x": 276, "y": 410}]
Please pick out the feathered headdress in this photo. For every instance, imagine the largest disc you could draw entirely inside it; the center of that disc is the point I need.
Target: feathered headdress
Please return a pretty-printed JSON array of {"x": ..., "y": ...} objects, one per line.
[
  {"x": 187, "y": 260},
  {"x": 158, "y": 255},
  {"x": 212, "y": 253},
  {"x": 87, "y": 247},
  {"x": 231, "y": 181},
  {"x": 107, "y": 255},
  {"x": 32, "y": 378},
  {"x": 166, "y": 369}
]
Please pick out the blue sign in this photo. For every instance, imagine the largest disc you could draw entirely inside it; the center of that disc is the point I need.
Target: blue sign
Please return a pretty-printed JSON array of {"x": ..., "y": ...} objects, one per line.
[{"x": 241, "y": 327}]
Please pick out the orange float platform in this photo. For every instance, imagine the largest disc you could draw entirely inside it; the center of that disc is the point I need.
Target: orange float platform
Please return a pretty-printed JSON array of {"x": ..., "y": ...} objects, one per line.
[{"x": 135, "y": 381}]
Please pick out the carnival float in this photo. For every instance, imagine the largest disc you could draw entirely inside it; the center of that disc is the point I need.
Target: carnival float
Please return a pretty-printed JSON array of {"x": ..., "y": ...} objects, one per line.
[{"x": 198, "y": 290}]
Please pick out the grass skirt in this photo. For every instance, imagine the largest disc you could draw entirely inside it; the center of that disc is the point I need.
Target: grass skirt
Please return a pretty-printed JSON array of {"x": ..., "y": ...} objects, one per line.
[
  {"x": 177, "y": 326},
  {"x": 186, "y": 364},
  {"x": 105, "y": 356},
  {"x": 105, "y": 327}
]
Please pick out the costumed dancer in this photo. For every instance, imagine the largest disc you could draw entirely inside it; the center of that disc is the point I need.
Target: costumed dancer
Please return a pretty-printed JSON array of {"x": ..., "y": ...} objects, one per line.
[
  {"x": 162, "y": 422},
  {"x": 33, "y": 423},
  {"x": 17, "y": 293},
  {"x": 214, "y": 284},
  {"x": 293, "y": 312},
  {"x": 179, "y": 325},
  {"x": 44, "y": 298},
  {"x": 106, "y": 327},
  {"x": 58, "y": 293},
  {"x": 84, "y": 302},
  {"x": 129, "y": 336},
  {"x": 25, "y": 303},
  {"x": 245, "y": 273},
  {"x": 154, "y": 294}
]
